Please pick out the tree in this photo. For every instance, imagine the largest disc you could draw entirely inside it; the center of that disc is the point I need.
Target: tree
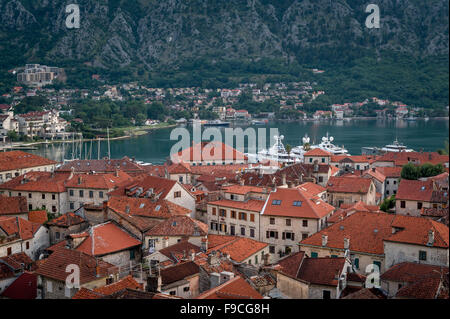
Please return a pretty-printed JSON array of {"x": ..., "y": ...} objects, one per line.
[
  {"x": 13, "y": 136},
  {"x": 410, "y": 171},
  {"x": 388, "y": 204}
]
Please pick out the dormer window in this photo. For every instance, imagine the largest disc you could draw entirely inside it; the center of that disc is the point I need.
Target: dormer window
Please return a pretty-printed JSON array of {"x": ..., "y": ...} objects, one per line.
[
  {"x": 297, "y": 203},
  {"x": 276, "y": 202}
]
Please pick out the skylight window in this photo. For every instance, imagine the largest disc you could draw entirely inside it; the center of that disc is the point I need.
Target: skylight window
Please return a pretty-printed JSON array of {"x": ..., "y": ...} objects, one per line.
[
  {"x": 142, "y": 205},
  {"x": 297, "y": 203},
  {"x": 158, "y": 208},
  {"x": 276, "y": 202}
]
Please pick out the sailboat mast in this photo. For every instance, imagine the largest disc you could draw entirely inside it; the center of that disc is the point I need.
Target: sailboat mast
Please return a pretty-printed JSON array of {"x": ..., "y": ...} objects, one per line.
[{"x": 109, "y": 148}]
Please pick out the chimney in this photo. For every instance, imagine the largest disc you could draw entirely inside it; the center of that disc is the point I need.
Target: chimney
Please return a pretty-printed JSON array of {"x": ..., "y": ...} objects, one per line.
[
  {"x": 324, "y": 240},
  {"x": 290, "y": 184},
  {"x": 283, "y": 179},
  {"x": 241, "y": 182},
  {"x": 346, "y": 243},
  {"x": 154, "y": 282},
  {"x": 204, "y": 245},
  {"x": 79, "y": 180},
  {"x": 127, "y": 209},
  {"x": 116, "y": 173},
  {"x": 72, "y": 171},
  {"x": 192, "y": 255},
  {"x": 373, "y": 169},
  {"x": 430, "y": 238}
]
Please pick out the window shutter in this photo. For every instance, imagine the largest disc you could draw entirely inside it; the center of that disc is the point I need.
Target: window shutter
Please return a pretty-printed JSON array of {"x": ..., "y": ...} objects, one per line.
[{"x": 283, "y": 235}]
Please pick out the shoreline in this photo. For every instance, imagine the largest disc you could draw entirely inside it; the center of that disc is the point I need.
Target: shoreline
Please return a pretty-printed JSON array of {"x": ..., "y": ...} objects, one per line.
[{"x": 31, "y": 145}]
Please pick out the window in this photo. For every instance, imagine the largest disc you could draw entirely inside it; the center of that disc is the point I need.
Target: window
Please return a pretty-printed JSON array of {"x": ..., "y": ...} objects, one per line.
[
  {"x": 242, "y": 216},
  {"x": 243, "y": 231},
  {"x": 186, "y": 289},
  {"x": 81, "y": 193},
  {"x": 252, "y": 217},
  {"x": 214, "y": 211},
  {"x": 57, "y": 235},
  {"x": 71, "y": 205},
  {"x": 320, "y": 179},
  {"x": 252, "y": 232},
  {"x": 334, "y": 256},
  {"x": 288, "y": 235},
  {"x": 30, "y": 207},
  {"x": 222, "y": 213},
  {"x": 395, "y": 182},
  {"x": 49, "y": 286},
  {"x": 422, "y": 255},
  {"x": 233, "y": 214},
  {"x": 177, "y": 194},
  {"x": 232, "y": 230},
  {"x": 288, "y": 222},
  {"x": 71, "y": 192},
  {"x": 387, "y": 192},
  {"x": 313, "y": 254},
  {"x": 323, "y": 159},
  {"x": 27, "y": 245},
  {"x": 172, "y": 293},
  {"x": 272, "y": 249},
  {"x": 109, "y": 281},
  {"x": 377, "y": 263},
  {"x": 304, "y": 236},
  {"x": 29, "y": 195},
  {"x": 305, "y": 223},
  {"x": 9, "y": 251},
  {"x": 356, "y": 263},
  {"x": 387, "y": 182},
  {"x": 100, "y": 194},
  {"x": 53, "y": 196},
  {"x": 402, "y": 204},
  {"x": 91, "y": 194},
  {"x": 223, "y": 228},
  {"x": 297, "y": 203},
  {"x": 53, "y": 209},
  {"x": 310, "y": 159},
  {"x": 326, "y": 294},
  {"x": 43, "y": 196},
  {"x": 276, "y": 202},
  {"x": 272, "y": 234},
  {"x": 180, "y": 179},
  {"x": 131, "y": 254},
  {"x": 272, "y": 221},
  {"x": 419, "y": 205}
]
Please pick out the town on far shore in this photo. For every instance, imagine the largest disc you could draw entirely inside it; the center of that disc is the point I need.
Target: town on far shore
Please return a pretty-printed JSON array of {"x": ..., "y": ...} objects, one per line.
[
  {"x": 326, "y": 226},
  {"x": 41, "y": 109}
]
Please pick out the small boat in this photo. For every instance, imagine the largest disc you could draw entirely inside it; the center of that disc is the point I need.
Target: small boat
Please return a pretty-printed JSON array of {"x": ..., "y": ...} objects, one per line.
[
  {"x": 217, "y": 123},
  {"x": 396, "y": 147},
  {"x": 258, "y": 122}
]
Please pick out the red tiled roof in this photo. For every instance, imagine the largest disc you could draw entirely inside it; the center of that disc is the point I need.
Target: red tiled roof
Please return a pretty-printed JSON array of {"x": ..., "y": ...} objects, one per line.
[
  {"x": 239, "y": 248},
  {"x": 414, "y": 230},
  {"x": 402, "y": 158},
  {"x": 179, "y": 272},
  {"x": 236, "y": 288},
  {"x": 159, "y": 186},
  {"x": 367, "y": 231},
  {"x": 390, "y": 171},
  {"x": 179, "y": 168},
  {"x": 411, "y": 272},
  {"x": 127, "y": 282},
  {"x": 348, "y": 185},
  {"x": 290, "y": 265},
  {"x": 209, "y": 151},
  {"x": 317, "y": 152},
  {"x": 415, "y": 190},
  {"x": 17, "y": 160},
  {"x": 250, "y": 205},
  {"x": 67, "y": 220},
  {"x": 427, "y": 288},
  {"x": 308, "y": 207},
  {"x": 18, "y": 226},
  {"x": 365, "y": 293},
  {"x": 177, "y": 251},
  {"x": 98, "y": 181},
  {"x": 24, "y": 287},
  {"x": 242, "y": 189},
  {"x": 312, "y": 189},
  {"x": 37, "y": 216},
  {"x": 84, "y": 293},
  {"x": 55, "y": 266},
  {"x": 321, "y": 271},
  {"x": 103, "y": 166},
  {"x": 44, "y": 182},
  {"x": 13, "y": 205},
  {"x": 352, "y": 158},
  {"x": 108, "y": 238},
  {"x": 179, "y": 226}
]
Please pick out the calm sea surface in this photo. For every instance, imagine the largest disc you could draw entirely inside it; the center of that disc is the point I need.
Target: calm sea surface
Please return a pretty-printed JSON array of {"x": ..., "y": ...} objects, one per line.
[{"x": 352, "y": 134}]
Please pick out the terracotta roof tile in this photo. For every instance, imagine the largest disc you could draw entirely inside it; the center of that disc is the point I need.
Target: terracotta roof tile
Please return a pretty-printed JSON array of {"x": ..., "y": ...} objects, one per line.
[
  {"x": 37, "y": 216},
  {"x": 317, "y": 152},
  {"x": 67, "y": 220},
  {"x": 236, "y": 288},
  {"x": 412, "y": 272},
  {"x": 293, "y": 202},
  {"x": 127, "y": 282},
  {"x": 238, "y": 248},
  {"x": 415, "y": 190},
  {"x": 179, "y": 272},
  {"x": 321, "y": 271},
  {"x": 348, "y": 185},
  {"x": 17, "y": 160},
  {"x": 209, "y": 151},
  {"x": 250, "y": 205},
  {"x": 24, "y": 287},
  {"x": 179, "y": 226},
  {"x": 103, "y": 166},
  {"x": 98, "y": 181},
  {"x": 55, "y": 266},
  {"x": 108, "y": 238},
  {"x": 18, "y": 227},
  {"x": 44, "y": 182},
  {"x": 13, "y": 205}
]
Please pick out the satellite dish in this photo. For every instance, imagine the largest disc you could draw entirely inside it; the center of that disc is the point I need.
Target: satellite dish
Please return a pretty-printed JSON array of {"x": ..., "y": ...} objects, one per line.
[
  {"x": 281, "y": 137},
  {"x": 331, "y": 139},
  {"x": 324, "y": 139}
]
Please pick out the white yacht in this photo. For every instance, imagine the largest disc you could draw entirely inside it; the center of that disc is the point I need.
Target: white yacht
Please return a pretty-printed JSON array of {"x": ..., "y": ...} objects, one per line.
[
  {"x": 396, "y": 146},
  {"x": 327, "y": 145},
  {"x": 298, "y": 151},
  {"x": 276, "y": 153}
]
